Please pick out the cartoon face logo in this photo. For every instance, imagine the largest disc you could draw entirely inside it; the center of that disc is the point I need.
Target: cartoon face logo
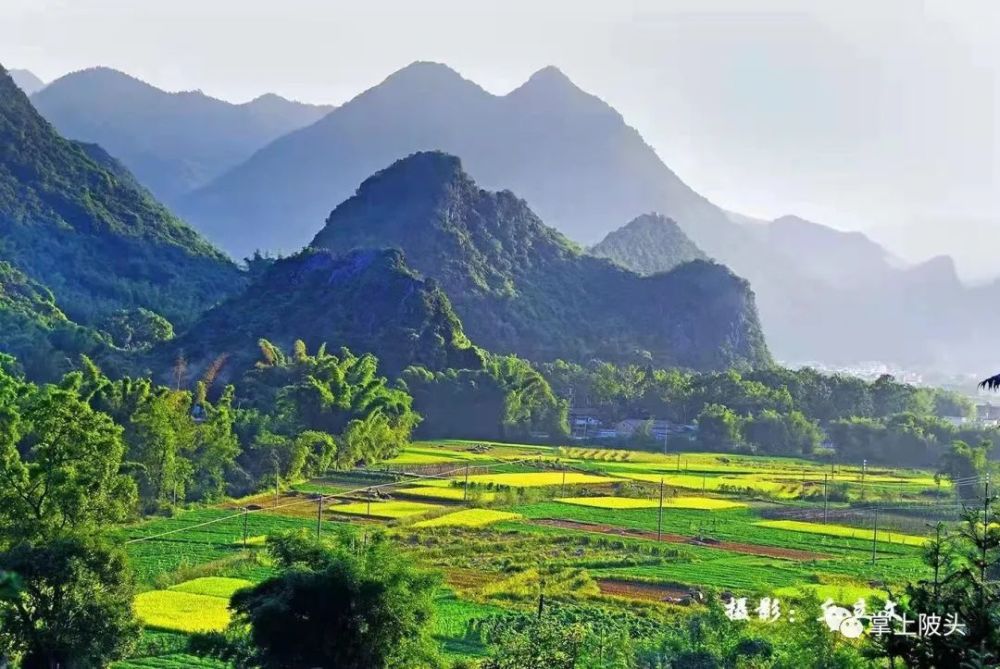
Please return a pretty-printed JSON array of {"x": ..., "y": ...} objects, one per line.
[
  {"x": 834, "y": 616},
  {"x": 851, "y": 628}
]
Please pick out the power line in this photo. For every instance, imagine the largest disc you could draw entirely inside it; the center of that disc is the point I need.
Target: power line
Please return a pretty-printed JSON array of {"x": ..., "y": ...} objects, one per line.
[{"x": 245, "y": 511}]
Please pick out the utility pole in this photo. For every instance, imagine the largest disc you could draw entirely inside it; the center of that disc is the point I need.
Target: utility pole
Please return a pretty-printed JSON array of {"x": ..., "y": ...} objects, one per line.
[
  {"x": 937, "y": 562},
  {"x": 986, "y": 531},
  {"x": 319, "y": 516},
  {"x": 826, "y": 500},
  {"x": 659, "y": 515},
  {"x": 678, "y": 461},
  {"x": 277, "y": 477},
  {"x": 465, "y": 498},
  {"x": 864, "y": 469},
  {"x": 562, "y": 488},
  {"x": 875, "y": 537}
]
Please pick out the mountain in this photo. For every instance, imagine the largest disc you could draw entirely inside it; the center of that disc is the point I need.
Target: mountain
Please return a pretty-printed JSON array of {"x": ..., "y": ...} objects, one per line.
[
  {"x": 567, "y": 152},
  {"x": 649, "y": 244},
  {"x": 584, "y": 171},
  {"x": 173, "y": 142},
  {"x": 521, "y": 287},
  {"x": 73, "y": 220},
  {"x": 367, "y": 300},
  {"x": 825, "y": 253},
  {"x": 36, "y": 332},
  {"x": 27, "y": 81}
]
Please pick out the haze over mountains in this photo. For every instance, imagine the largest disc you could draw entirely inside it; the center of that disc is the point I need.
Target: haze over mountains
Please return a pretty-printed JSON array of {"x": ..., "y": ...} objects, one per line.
[
  {"x": 521, "y": 287},
  {"x": 824, "y": 295},
  {"x": 173, "y": 142},
  {"x": 27, "y": 81}
]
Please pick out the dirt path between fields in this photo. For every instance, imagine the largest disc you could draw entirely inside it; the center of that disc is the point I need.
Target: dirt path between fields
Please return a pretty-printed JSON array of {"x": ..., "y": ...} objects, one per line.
[
  {"x": 731, "y": 546},
  {"x": 650, "y": 592}
]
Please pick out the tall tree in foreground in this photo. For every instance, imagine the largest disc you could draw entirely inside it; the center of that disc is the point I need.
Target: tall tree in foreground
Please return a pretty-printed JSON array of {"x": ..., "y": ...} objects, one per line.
[
  {"x": 60, "y": 483},
  {"x": 74, "y": 607},
  {"x": 334, "y": 607}
]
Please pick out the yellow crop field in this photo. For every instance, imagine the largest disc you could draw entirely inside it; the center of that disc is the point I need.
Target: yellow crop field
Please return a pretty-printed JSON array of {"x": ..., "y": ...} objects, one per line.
[
  {"x": 468, "y": 518},
  {"x": 843, "y": 531},
  {"x": 391, "y": 510},
  {"x": 182, "y": 611},
  {"x": 701, "y": 503},
  {"x": 450, "y": 493},
  {"x": 537, "y": 479},
  {"x": 611, "y": 502},
  {"x": 714, "y": 483},
  {"x": 213, "y": 586}
]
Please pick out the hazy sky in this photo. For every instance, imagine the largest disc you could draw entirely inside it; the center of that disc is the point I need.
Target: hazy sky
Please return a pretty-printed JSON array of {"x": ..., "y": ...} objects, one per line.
[{"x": 880, "y": 115}]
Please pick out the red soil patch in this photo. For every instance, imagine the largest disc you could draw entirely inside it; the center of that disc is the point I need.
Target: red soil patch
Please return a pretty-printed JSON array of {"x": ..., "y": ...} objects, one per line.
[
  {"x": 650, "y": 592},
  {"x": 730, "y": 546}
]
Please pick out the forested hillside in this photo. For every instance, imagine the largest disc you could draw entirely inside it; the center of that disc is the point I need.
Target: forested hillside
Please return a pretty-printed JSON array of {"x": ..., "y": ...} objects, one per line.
[
  {"x": 649, "y": 244},
  {"x": 367, "y": 301},
  {"x": 88, "y": 233},
  {"x": 520, "y": 287}
]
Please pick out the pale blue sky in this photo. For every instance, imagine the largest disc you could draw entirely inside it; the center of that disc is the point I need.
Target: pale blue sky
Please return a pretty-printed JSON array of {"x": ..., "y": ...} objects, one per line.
[{"x": 878, "y": 115}]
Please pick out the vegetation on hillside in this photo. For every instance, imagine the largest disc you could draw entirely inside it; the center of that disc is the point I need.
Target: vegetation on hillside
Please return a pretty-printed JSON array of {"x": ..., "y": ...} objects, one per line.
[
  {"x": 96, "y": 240},
  {"x": 522, "y": 288},
  {"x": 367, "y": 301},
  {"x": 649, "y": 244}
]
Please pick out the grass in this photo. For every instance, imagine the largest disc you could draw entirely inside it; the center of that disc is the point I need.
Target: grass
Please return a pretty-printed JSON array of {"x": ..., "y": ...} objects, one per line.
[
  {"x": 212, "y": 586},
  {"x": 537, "y": 479},
  {"x": 173, "y": 661},
  {"x": 715, "y": 483},
  {"x": 182, "y": 611},
  {"x": 453, "y": 625},
  {"x": 390, "y": 510},
  {"x": 468, "y": 518},
  {"x": 449, "y": 493},
  {"x": 609, "y": 502},
  {"x": 843, "y": 531}
]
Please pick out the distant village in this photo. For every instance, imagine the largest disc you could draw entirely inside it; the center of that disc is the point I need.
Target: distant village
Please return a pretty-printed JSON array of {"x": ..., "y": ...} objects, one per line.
[{"x": 586, "y": 425}]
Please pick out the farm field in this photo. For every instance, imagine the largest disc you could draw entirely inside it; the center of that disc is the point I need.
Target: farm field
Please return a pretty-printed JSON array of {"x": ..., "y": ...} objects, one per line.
[
  {"x": 441, "y": 492},
  {"x": 536, "y": 479},
  {"x": 391, "y": 510},
  {"x": 756, "y": 531},
  {"x": 679, "y": 502},
  {"x": 468, "y": 518},
  {"x": 843, "y": 531}
]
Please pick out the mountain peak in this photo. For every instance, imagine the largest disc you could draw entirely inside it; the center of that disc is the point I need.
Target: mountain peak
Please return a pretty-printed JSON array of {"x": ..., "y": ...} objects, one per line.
[
  {"x": 424, "y": 73},
  {"x": 649, "y": 244},
  {"x": 27, "y": 81},
  {"x": 550, "y": 75}
]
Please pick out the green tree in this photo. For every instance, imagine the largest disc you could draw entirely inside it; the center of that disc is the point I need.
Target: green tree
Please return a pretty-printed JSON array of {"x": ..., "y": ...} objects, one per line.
[
  {"x": 331, "y": 607},
  {"x": 719, "y": 428},
  {"x": 60, "y": 464},
  {"x": 136, "y": 329},
  {"x": 546, "y": 643},
  {"x": 74, "y": 608},
  {"x": 967, "y": 466}
]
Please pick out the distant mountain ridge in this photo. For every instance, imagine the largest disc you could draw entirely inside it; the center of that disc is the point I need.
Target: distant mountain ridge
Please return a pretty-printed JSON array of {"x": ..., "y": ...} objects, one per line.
[
  {"x": 73, "y": 220},
  {"x": 649, "y": 244},
  {"x": 173, "y": 142},
  {"x": 823, "y": 295},
  {"x": 27, "y": 81},
  {"x": 521, "y": 287}
]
